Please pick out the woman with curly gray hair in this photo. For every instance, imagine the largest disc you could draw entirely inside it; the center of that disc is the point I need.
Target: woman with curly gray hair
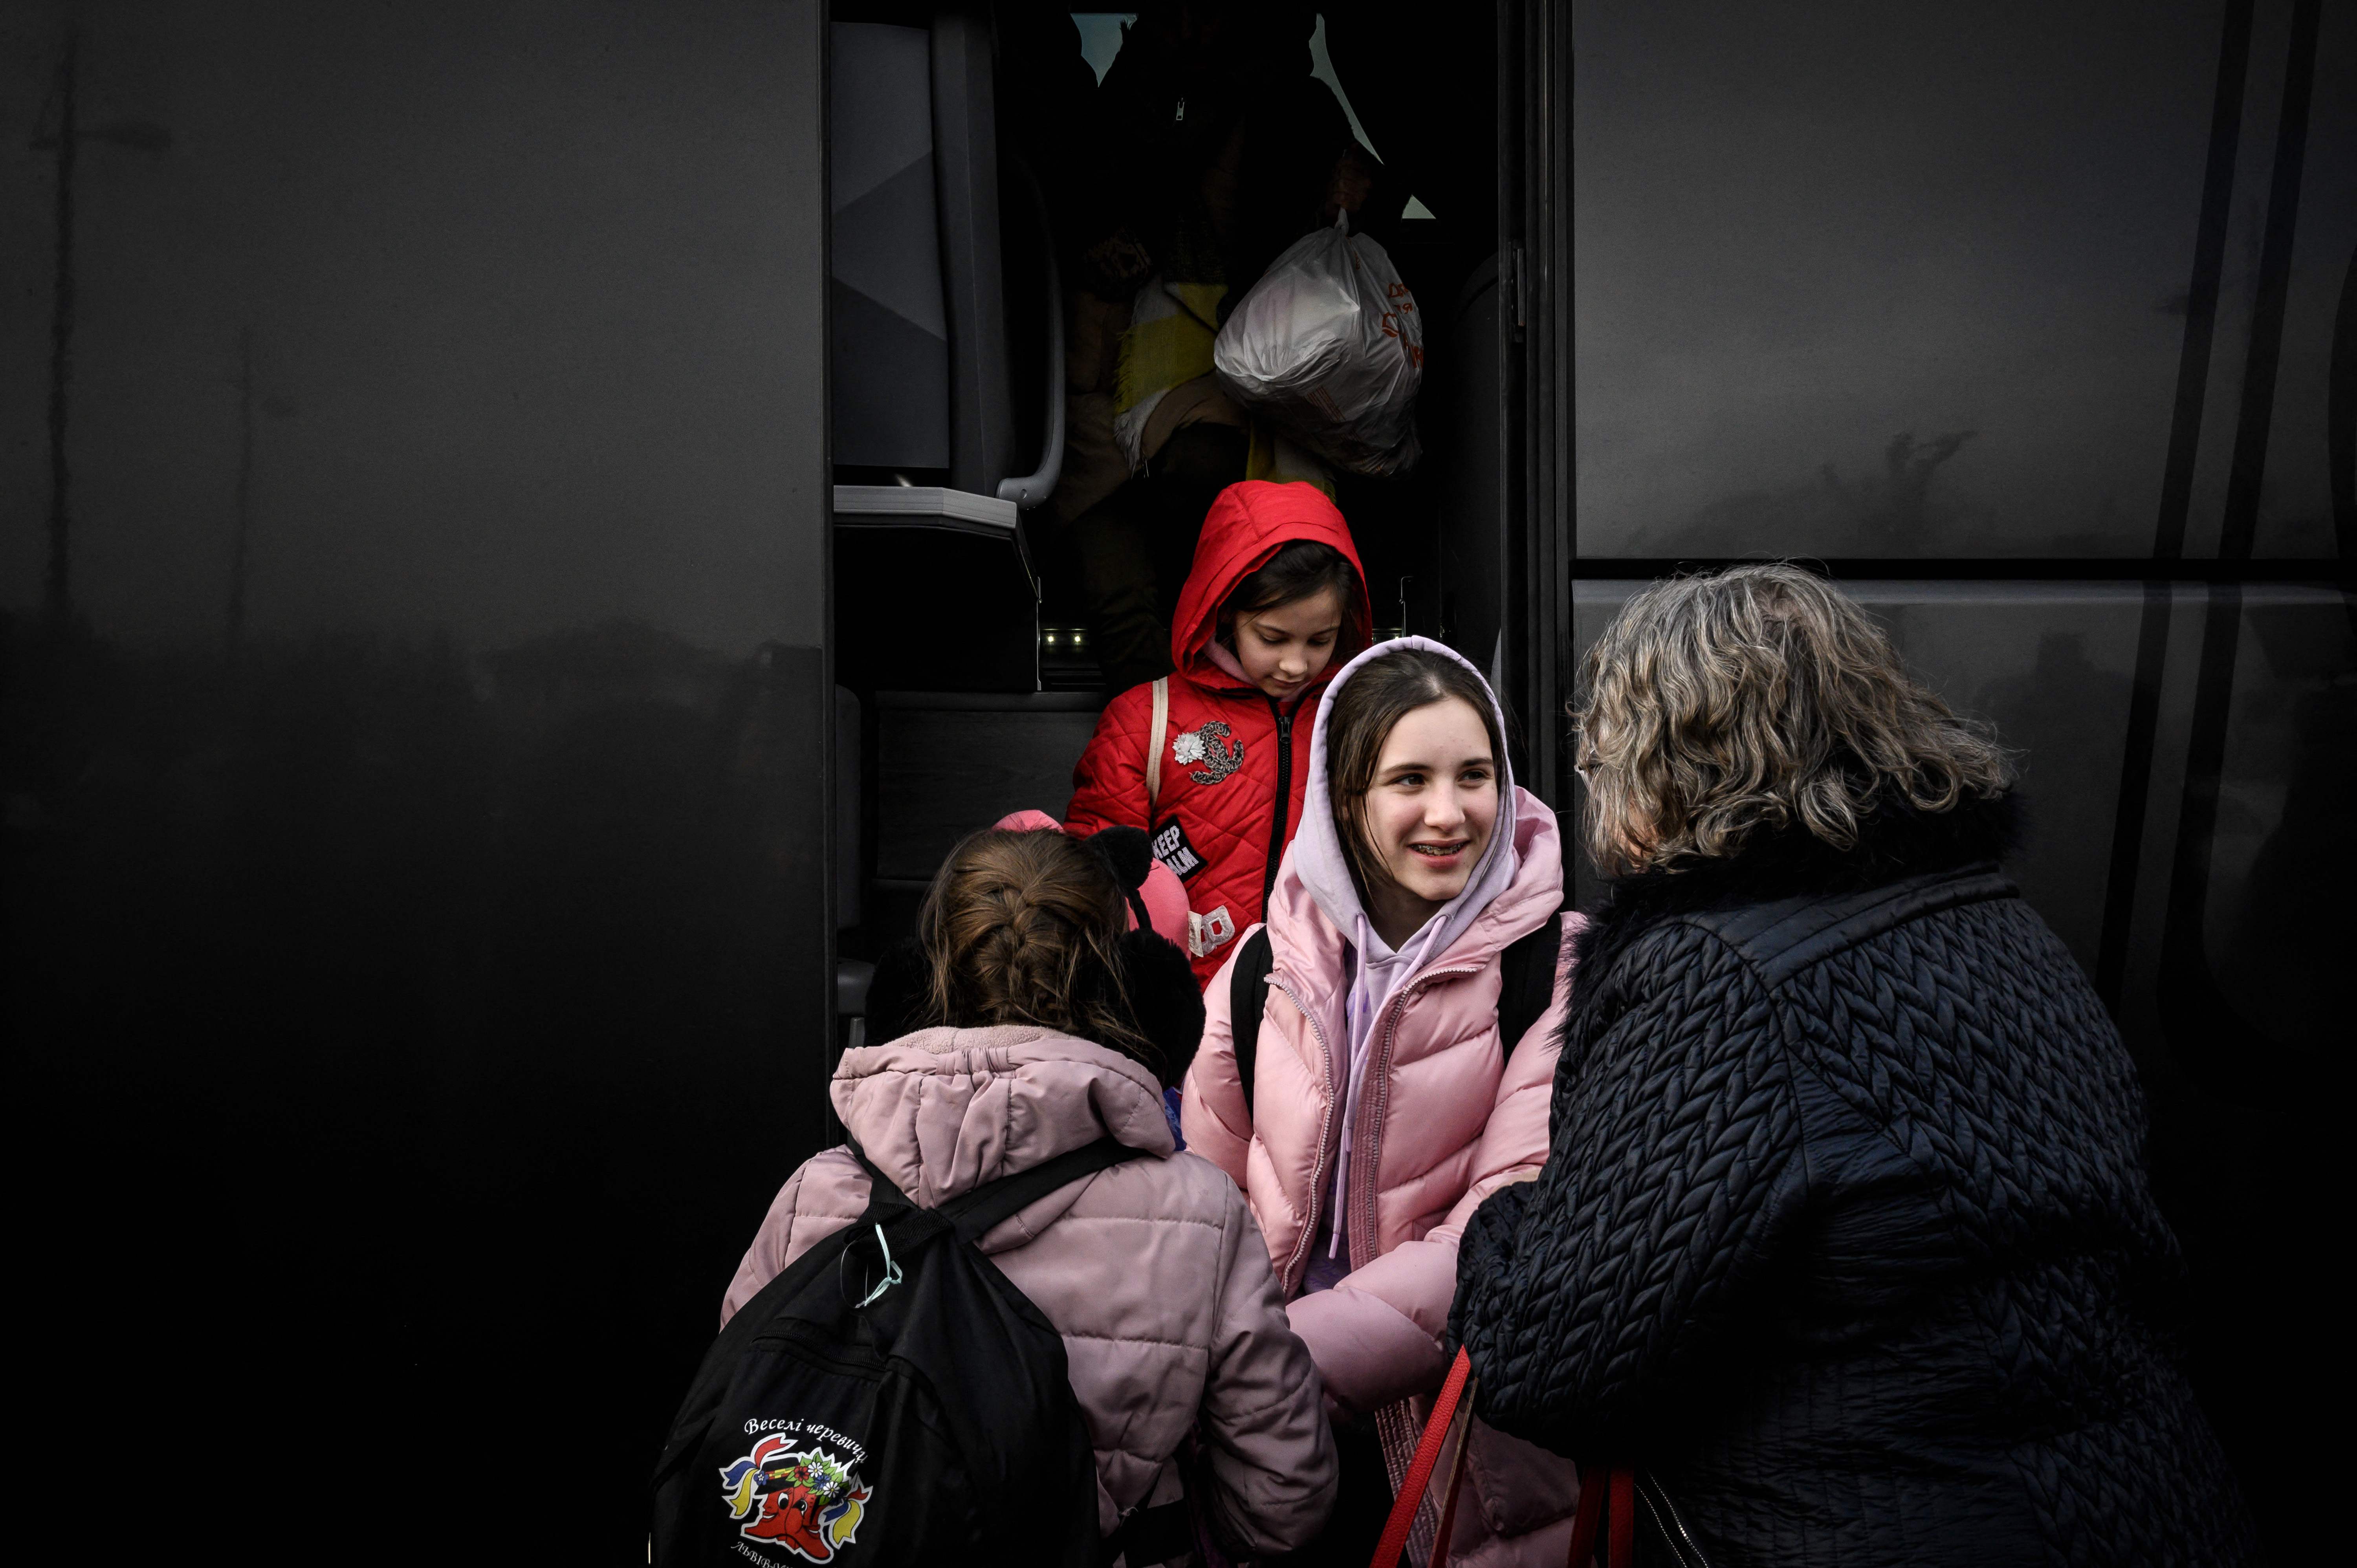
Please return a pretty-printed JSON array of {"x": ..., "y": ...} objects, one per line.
[{"x": 1844, "y": 1241}]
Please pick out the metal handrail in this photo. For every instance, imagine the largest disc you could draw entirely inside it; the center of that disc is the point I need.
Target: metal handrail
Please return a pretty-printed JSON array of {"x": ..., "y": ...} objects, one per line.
[{"x": 1034, "y": 489}]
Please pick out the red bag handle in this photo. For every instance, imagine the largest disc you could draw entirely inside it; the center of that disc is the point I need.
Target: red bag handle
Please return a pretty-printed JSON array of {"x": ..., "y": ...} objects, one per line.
[
  {"x": 1607, "y": 1498},
  {"x": 1419, "y": 1473},
  {"x": 1608, "y": 1495}
]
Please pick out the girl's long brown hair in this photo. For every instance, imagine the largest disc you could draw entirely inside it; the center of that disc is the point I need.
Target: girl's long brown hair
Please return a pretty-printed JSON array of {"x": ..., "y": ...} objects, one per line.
[
  {"x": 1380, "y": 693},
  {"x": 1025, "y": 928}
]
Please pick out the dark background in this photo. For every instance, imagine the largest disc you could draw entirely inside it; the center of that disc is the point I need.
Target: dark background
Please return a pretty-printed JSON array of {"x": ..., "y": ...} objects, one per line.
[{"x": 418, "y": 982}]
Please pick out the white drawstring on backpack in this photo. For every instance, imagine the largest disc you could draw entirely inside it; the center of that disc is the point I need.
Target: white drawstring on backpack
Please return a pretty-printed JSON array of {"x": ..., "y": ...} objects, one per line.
[{"x": 892, "y": 1275}]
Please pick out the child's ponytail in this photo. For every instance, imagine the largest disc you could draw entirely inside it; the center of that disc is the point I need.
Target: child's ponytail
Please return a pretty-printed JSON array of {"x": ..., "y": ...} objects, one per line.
[{"x": 1025, "y": 928}]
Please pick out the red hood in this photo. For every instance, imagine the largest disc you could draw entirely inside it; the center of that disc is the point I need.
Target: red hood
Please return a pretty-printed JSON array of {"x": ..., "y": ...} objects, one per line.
[{"x": 1247, "y": 525}]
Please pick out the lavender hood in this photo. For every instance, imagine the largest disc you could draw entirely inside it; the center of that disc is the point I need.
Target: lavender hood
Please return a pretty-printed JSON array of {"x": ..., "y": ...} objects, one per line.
[{"x": 1320, "y": 862}]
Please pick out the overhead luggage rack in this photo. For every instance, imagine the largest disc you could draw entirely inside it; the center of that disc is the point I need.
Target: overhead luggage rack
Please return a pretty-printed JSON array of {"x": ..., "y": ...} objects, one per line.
[
  {"x": 952, "y": 509},
  {"x": 931, "y": 506},
  {"x": 956, "y": 609}
]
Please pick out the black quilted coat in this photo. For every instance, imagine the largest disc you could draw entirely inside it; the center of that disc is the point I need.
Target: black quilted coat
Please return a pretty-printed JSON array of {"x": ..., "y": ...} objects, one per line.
[{"x": 1844, "y": 1232}]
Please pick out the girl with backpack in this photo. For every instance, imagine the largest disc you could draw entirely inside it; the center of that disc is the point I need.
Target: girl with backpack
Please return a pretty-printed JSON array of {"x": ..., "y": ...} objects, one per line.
[
  {"x": 1393, "y": 1068},
  {"x": 1151, "y": 1269},
  {"x": 1210, "y": 760}
]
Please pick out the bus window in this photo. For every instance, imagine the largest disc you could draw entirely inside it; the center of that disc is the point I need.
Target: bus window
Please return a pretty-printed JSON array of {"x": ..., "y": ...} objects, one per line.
[
  {"x": 2297, "y": 508},
  {"x": 1849, "y": 284},
  {"x": 2284, "y": 827}
]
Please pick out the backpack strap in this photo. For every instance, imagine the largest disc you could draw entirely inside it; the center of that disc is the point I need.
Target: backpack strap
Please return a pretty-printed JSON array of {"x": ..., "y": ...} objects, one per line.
[
  {"x": 1247, "y": 992},
  {"x": 1155, "y": 735},
  {"x": 1161, "y": 1534},
  {"x": 1526, "y": 981},
  {"x": 883, "y": 1192},
  {"x": 975, "y": 1211}
]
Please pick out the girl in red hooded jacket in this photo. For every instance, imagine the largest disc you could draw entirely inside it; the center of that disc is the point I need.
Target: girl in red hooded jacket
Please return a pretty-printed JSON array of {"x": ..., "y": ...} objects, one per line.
[{"x": 1210, "y": 760}]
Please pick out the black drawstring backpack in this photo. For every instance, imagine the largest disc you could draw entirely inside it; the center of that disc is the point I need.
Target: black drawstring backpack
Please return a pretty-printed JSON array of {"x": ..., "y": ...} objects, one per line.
[{"x": 894, "y": 1399}]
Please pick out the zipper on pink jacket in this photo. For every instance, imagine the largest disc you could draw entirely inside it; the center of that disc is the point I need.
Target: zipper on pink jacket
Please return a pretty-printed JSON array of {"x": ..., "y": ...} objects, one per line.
[
  {"x": 1362, "y": 1198},
  {"x": 1378, "y": 1065},
  {"x": 1287, "y": 1279}
]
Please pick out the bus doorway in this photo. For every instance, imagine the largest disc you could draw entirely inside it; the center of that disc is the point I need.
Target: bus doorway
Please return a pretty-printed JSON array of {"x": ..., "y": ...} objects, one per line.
[{"x": 973, "y": 400}]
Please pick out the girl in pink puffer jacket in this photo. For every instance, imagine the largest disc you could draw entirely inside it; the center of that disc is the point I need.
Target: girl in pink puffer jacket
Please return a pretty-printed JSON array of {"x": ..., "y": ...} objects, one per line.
[
  {"x": 1384, "y": 1107},
  {"x": 1151, "y": 1270}
]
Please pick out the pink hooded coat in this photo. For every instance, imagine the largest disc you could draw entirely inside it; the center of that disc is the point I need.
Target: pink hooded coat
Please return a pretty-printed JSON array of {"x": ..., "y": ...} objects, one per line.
[
  {"x": 1443, "y": 1119},
  {"x": 1151, "y": 1270}
]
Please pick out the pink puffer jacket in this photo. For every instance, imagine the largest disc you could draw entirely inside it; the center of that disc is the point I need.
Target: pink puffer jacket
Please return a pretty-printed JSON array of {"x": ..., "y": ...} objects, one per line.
[
  {"x": 1444, "y": 1121},
  {"x": 1151, "y": 1270}
]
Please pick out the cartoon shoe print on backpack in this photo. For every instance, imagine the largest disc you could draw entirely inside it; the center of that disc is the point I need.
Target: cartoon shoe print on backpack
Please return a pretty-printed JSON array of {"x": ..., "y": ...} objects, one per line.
[
  {"x": 1212, "y": 761},
  {"x": 807, "y": 1501}
]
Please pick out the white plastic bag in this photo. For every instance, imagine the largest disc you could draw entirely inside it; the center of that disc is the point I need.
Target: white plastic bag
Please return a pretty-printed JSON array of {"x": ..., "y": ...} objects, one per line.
[{"x": 1329, "y": 346}]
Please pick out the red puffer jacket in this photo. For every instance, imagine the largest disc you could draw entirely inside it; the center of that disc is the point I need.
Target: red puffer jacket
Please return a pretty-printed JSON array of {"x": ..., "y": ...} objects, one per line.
[{"x": 1233, "y": 762}]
